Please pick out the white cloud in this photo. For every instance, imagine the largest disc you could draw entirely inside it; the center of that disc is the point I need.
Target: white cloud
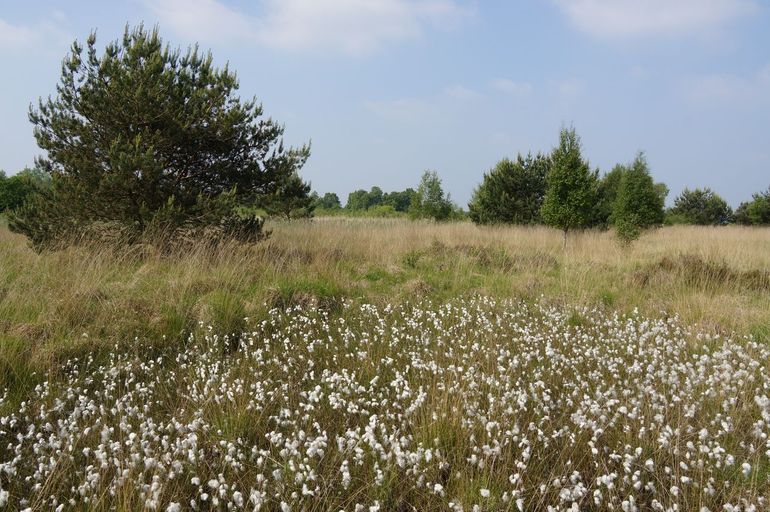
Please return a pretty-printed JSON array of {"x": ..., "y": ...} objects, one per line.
[
  {"x": 202, "y": 19},
  {"x": 619, "y": 19},
  {"x": 728, "y": 88},
  {"x": 348, "y": 26},
  {"x": 41, "y": 36},
  {"x": 507, "y": 86},
  {"x": 15, "y": 36},
  {"x": 459, "y": 92}
]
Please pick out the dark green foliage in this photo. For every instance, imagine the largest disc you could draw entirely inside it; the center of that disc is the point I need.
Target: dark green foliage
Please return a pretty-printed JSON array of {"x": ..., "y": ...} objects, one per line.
[
  {"x": 512, "y": 192},
  {"x": 44, "y": 219},
  {"x": 431, "y": 202},
  {"x": 638, "y": 204},
  {"x": 755, "y": 212},
  {"x": 606, "y": 192},
  {"x": 329, "y": 201},
  {"x": 358, "y": 200},
  {"x": 142, "y": 127},
  {"x": 291, "y": 199},
  {"x": 570, "y": 186},
  {"x": 741, "y": 214},
  {"x": 19, "y": 188},
  {"x": 700, "y": 206},
  {"x": 396, "y": 201},
  {"x": 400, "y": 201},
  {"x": 363, "y": 200},
  {"x": 375, "y": 197}
]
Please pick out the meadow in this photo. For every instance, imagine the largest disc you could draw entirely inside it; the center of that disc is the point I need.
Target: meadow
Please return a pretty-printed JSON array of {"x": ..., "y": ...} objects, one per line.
[{"x": 387, "y": 364}]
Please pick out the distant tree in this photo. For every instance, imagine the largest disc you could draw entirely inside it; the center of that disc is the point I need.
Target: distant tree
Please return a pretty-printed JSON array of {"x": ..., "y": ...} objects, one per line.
[
  {"x": 638, "y": 204},
  {"x": 358, "y": 200},
  {"x": 741, "y": 214},
  {"x": 606, "y": 192},
  {"x": 16, "y": 190},
  {"x": 570, "y": 186},
  {"x": 758, "y": 209},
  {"x": 374, "y": 197},
  {"x": 511, "y": 192},
  {"x": 400, "y": 201},
  {"x": 329, "y": 201},
  {"x": 143, "y": 132},
  {"x": 431, "y": 201},
  {"x": 755, "y": 212},
  {"x": 701, "y": 206},
  {"x": 291, "y": 199},
  {"x": 662, "y": 190}
]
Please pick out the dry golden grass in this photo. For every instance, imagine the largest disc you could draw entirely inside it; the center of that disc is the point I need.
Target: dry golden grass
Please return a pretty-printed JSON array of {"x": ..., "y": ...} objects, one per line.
[{"x": 85, "y": 299}]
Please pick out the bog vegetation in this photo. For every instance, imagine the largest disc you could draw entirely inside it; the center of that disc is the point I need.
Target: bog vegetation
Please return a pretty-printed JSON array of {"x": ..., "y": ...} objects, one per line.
[
  {"x": 471, "y": 405},
  {"x": 177, "y": 332}
]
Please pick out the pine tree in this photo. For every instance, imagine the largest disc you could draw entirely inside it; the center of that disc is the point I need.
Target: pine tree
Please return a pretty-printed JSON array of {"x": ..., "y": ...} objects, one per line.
[
  {"x": 702, "y": 207},
  {"x": 512, "y": 192},
  {"x": 291, "y": 199},
  {"x": 570, "y": 186},
  {"x": 758, "y": 209},
  {"x": 142, "y": 127}
]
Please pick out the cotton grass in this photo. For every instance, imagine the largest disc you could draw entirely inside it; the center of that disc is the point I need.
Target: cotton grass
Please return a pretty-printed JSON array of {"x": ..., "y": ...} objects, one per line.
[{"x": 475, "y": 404}]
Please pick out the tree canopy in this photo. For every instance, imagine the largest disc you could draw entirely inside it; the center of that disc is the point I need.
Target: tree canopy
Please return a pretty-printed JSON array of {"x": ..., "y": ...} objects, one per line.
[
  {"x": 755, "y": 212},
  {"x": 16, "y": 190},
  {"x": 638, "y": 204},
  {"x": 142, "y": 129},
  {"x": 570, "y": 186},
  {"x": 701, "y": 206},
  {"x": 511, "y": 192},
  {"x": 431, "y": 201}
]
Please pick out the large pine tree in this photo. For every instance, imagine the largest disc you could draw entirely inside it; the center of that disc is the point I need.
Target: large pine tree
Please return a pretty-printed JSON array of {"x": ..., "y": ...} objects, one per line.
[{"x": 143, "y": 129}]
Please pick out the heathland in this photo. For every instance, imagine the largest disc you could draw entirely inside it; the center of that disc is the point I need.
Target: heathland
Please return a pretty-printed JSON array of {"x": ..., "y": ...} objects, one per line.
[{"x": 345, "y": 363}]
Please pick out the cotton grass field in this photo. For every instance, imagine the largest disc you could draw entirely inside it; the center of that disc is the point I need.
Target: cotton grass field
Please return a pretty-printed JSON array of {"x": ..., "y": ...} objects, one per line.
[{"x": 389, "y": 365}]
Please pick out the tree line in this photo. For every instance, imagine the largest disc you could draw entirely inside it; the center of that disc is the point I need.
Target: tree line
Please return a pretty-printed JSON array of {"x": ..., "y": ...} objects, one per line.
[
  {"x": 561, "y": 190},
  {"x": 428, "y": 200}
]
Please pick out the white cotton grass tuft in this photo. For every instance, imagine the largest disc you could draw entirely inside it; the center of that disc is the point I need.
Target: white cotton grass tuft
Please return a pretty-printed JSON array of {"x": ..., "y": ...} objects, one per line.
[{"x": 433, "y": 404}]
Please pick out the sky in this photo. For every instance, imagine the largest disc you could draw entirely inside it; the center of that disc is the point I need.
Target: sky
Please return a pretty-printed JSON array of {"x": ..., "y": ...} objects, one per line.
[{"x": 385, "y": 89}]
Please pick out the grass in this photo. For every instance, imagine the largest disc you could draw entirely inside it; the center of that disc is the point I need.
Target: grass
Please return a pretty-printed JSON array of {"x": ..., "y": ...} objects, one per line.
[
  {"x": 332, "y": 299},
  {"x": 83, "y": 299},
  {"x": 424, "y": 406}
]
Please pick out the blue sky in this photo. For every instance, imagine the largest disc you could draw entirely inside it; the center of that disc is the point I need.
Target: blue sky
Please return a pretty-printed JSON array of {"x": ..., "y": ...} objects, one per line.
[{"x": 388, "y": 88}]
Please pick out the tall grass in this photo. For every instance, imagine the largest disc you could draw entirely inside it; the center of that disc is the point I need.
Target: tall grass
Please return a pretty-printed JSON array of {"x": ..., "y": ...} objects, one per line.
[
  {"x": 474, "y": 404},
  {"x": 85, "y": 299},
  {"x": 116, "y": 390}
]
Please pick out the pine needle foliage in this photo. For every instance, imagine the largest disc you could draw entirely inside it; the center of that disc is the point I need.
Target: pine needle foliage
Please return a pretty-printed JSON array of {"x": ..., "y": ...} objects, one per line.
[
  {"x": 511, "y": 192},
  {"x": 142, "y": 130}
]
